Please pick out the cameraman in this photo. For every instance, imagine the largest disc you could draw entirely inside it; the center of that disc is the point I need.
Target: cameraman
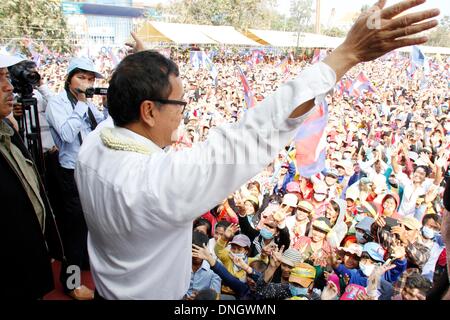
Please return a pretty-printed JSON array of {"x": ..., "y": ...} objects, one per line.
[
  {"x": 71, "y": 118},
  {"x": 23, "y": 74},
  {"x": 29, "y": 237},
  {"x": 41, "y": 92}
]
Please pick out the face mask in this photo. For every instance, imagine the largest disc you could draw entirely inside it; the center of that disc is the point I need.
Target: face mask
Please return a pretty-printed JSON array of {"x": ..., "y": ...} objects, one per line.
[
  {"x": 319, "y": 197},
  {"x": 360, "y": 237},
  {"x": 428, "y": 232},
  {"x": 297, "y": 291},
  {"x": 347, "y": 156},
  {"x": 367, "y": 269},
  {"x": 266, "y": 234},
  {"x": 243, "y": 256}
]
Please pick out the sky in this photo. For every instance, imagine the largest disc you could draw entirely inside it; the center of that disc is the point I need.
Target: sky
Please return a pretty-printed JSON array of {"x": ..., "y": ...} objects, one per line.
[{"x": 344, "y": 6}]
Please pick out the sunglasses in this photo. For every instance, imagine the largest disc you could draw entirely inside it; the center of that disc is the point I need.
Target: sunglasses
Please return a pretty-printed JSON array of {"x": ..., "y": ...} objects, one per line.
[{"x": 177, "y": 102}]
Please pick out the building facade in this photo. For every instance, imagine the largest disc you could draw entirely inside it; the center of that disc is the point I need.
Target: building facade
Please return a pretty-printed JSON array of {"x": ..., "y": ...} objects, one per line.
[{"x": 96, "y": 24}]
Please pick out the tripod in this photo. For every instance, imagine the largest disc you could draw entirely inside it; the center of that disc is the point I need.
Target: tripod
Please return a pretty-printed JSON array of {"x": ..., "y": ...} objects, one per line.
[{"x": 30, "y": 131}]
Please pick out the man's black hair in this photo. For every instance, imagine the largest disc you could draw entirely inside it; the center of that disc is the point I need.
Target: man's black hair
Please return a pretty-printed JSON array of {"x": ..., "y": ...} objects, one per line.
[
  {"x": 139, "y": 77},
  {"x": 203, "y": 222},
  {"x": 223, "y": 223},
  {"x": 418, "y": 281},
  {"x": 206, "y": 294},
  {"x": 431, "y": 216},
  {"x": 425, "y": 168}
]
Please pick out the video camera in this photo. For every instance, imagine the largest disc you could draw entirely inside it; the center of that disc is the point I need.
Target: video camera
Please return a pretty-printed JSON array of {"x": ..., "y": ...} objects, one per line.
[
  {"x": 24, "y": 78},
  {"x": 90, "y": 92}
]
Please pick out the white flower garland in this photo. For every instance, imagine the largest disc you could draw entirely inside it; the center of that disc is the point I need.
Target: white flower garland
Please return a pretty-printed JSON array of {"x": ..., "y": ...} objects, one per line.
[{"x": 116, "y": 142}]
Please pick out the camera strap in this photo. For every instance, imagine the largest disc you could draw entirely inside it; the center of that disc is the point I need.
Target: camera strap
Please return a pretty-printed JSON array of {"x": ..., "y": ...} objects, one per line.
[
  {"x": 73, "y": 107},
  {"x": 92, "y": 120}
]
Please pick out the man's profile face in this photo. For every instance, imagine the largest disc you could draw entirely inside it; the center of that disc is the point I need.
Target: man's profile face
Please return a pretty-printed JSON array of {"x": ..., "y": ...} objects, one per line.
[
  {"x": 170, "y": 115},
  {"x": 6, "y": 93}
]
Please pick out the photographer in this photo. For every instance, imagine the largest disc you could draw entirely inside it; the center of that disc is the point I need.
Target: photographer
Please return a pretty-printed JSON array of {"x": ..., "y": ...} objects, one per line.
[
  {"x": 29, "y": 236},
  {"x": 26, "y": 79},
  {"x": 25, "y": 72},
  {"x": 72, "y": 117}
]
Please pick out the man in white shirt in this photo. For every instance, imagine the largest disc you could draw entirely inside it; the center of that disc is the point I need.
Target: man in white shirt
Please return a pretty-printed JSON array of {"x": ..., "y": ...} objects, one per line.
[{"x": 140, "y": 200}]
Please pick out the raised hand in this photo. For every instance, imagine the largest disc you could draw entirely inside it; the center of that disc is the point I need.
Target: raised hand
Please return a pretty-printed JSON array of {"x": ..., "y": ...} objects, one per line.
[
  {"x": 398, "y": 252},
  {"x": 137, "y": 46},
  {"x": 380, "y": 222},
  {"x": 275, "y": 258},
  {"x": 378, "y": 31},
  {"x": 401, "y": 231},
  {"x": 231, "y": 231},
  {"x": 239, "y": 262},
  {"x": 199, "y": 252},
  {"x": 268, "y": 249}
]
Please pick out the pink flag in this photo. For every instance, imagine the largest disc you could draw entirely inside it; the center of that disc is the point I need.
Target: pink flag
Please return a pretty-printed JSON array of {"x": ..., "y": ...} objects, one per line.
[{"x": 310, "y": 142}]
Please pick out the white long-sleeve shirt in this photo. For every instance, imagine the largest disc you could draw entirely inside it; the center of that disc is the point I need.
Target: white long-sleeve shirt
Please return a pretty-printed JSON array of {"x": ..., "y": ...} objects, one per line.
[{"x": 139, "y": 208}]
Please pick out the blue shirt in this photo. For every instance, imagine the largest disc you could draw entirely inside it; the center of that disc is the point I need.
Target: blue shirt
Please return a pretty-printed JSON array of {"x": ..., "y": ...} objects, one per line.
[
  {"x": 242, "y": 289},
  {"x": 204, "y": 278},
  {"x": 358, "y": 277},
  {"x": 65, "y": 124}
]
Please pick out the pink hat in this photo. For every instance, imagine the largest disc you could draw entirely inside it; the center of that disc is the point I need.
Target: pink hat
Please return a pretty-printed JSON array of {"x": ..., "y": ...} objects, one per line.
[
  {"x": 352, "y": 291},
  {"x": 293, "y": 187},
  {"x": 335, "y": 279}
]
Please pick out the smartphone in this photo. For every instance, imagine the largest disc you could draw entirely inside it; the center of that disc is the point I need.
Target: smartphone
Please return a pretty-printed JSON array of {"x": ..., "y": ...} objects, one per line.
[{"x": 390, "y": 222}]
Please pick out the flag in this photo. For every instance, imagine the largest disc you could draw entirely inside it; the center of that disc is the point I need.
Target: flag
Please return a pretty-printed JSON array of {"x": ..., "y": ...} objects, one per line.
[
  {"x": 310, "y": 142},
  {"x": 340, "y": 87},
  {"x": 417, "y": 56},
  {"x": 433, "y": 65},
  {"x": 257, "y": 56},
  {"x": 250, "y": 100},
  {"x": 209, "y": 65},
  {"x": 348, "y": 86},
  {"x": 319, "y": 55},
  {"x": 196, "y": 59},
  {"x": 411, "y": 70},
  {"x": 361, "y": 83},
  {"x": 284, "y": 67}
]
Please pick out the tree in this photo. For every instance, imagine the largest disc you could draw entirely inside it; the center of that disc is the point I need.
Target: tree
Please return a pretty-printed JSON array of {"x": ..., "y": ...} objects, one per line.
[
  {"x": 334, "y": 32},
  {"x": 301, "y": 12},
  {"x": 241, "y": 14},
  {"x": 41, "y": 20},
  {"x": 440, "y": 36}
]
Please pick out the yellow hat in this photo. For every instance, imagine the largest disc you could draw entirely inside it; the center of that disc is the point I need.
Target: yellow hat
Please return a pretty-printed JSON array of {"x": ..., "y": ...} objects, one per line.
[{"x": 304, "y": 274}]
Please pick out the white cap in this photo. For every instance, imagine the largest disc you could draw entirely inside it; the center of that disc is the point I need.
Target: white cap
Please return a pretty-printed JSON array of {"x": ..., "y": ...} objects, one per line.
[
  {"x": 290, "y": 200},
  {"x": 7, "y": 61}
]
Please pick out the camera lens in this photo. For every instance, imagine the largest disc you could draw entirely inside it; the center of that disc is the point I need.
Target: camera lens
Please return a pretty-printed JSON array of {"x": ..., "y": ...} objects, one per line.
[{"x": 31, "y": 77}]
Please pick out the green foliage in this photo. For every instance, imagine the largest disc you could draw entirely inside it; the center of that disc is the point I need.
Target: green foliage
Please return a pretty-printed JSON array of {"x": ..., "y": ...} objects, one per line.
[
  {"x": 440, "y": 36},
  {"x": 334, "y": 32},
  {"x": 42, "y": 20},
  {"x": 242, "y": 14}
]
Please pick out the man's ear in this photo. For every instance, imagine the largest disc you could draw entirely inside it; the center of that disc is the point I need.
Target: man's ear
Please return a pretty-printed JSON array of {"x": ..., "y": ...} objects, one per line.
[{"x": 148, "y": 110}]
